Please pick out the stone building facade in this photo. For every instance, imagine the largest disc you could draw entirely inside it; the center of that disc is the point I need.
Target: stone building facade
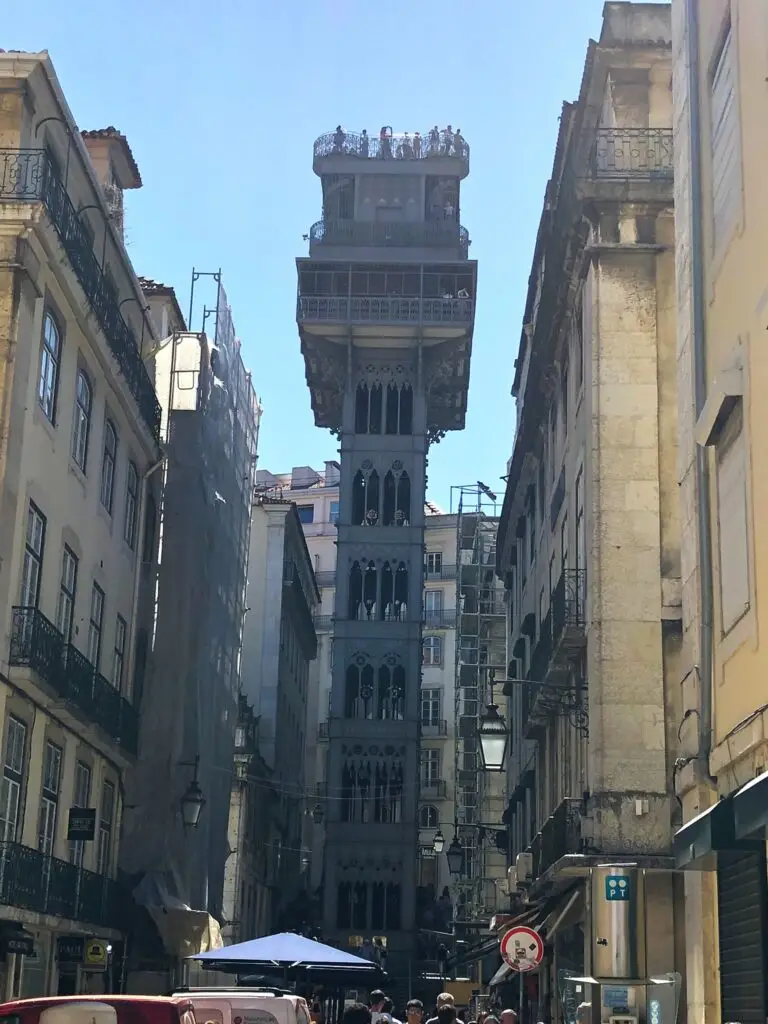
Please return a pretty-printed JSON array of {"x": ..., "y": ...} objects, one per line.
[
  {"x": 722, "y": 315},
  {"x": 589, "y": 543},
  {"x": 385, "y": 313}
]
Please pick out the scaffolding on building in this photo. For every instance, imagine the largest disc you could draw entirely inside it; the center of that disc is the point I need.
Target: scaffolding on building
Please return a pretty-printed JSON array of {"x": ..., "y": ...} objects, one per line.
[{"x": 481, "y": 658}]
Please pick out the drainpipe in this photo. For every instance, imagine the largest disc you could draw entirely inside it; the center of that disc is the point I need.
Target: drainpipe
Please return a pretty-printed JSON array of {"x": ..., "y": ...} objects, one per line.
[{"x": 703, "y": 509}]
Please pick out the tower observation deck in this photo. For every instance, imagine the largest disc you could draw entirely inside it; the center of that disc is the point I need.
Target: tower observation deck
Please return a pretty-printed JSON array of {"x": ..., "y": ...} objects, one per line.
[{"x": 385, "y": 310}]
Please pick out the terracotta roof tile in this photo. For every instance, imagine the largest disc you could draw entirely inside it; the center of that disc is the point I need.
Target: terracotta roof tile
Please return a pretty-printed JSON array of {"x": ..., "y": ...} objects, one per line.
[{"x": 112, "y": 133}]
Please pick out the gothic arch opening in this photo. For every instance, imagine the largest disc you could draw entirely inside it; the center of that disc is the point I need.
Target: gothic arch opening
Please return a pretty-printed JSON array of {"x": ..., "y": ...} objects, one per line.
[
  {"x": 359, "y": 691},
  {"x": 365, "y": 498},
  {"x": 397, "y": 497},
  {"x": 399, "y": 409},
  {"x": 401, "y": 592}
]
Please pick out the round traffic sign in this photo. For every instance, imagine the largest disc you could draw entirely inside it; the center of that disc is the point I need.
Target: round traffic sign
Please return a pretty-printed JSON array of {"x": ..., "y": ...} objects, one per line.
[{"x": 522, "y": 949}]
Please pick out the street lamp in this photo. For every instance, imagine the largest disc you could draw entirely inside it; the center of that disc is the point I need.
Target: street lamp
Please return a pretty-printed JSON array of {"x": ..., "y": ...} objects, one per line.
[
  {"x": 193, "y": 801},
  {"x": 455, "y": 856},
  {"x": 493, "y": 736},
  {"x": 438, "y": 843}
]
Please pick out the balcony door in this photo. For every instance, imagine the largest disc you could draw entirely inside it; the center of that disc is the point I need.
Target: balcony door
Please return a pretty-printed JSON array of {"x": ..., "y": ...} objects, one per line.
[
  {"x": 12, "y": 780},
  {"x": 430, "y": 707},
  {"x": 430, "y": 767},
  {"x": 82, "y": 799}
]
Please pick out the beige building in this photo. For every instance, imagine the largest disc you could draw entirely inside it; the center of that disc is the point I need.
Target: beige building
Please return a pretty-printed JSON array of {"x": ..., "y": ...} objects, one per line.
[
  {"x": 720, "y": 106},
  {"x": 79, "y": 435},
  {"x": 589, "y": 542}
]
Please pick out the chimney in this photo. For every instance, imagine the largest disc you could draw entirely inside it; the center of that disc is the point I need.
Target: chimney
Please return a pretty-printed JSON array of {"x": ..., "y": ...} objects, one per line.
[{"x": 115, "y": 169}]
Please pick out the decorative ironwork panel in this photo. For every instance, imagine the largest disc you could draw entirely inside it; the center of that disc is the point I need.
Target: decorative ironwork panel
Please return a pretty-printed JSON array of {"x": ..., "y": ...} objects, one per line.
[{"x": 633, "y": 153}]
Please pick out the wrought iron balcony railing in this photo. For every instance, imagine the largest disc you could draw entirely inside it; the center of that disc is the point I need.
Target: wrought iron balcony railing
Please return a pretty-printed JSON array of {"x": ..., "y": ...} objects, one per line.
[
  {"x": 445, "y": 572},
  {"x": 560, "y": 835},
  {"x": 633, "y": 153},
  {"x": 383, "y": 310},
  {"x": 37, "y": 644},
  {"x": 430, "y": 233},
  {"x": 31, "y": 880},
  {"x": 405, "y": 146},
  {"x": 434, "y": 727},
  {"x": 326, "y": 578},
  {"x": 440, "y": 618},
  {"x": 568, "y": 609},
  {"x": 323, "y": 623},
  {"x": 432, "y": 789},
  {"x": 27, "y": 176}
]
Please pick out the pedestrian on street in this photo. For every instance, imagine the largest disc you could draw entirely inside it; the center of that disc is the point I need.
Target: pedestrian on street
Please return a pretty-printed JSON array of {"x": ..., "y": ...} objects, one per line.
[
  {"x": 444, "y": 999},
  {"x": 356, "y": 1013},
  {"x": 414, "y": 1011}
]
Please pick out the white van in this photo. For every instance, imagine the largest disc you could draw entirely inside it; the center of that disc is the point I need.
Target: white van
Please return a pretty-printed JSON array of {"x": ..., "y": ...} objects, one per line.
[{"x": 246, "y": 1006}]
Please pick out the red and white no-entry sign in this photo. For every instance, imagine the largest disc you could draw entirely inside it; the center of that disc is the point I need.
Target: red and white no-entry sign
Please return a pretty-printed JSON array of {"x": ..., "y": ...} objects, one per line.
[{"x": 522, "y": 949}]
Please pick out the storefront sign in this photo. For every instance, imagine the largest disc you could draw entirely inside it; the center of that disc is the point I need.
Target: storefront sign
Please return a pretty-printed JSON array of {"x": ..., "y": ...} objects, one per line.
[
  {"x": 20, "y": 943},
  {"x": 82, "y": 824},
  {"x": 617, "y": 889},
  {"x": 96, "y": 954},
  {"x": 70, "y": 949}
]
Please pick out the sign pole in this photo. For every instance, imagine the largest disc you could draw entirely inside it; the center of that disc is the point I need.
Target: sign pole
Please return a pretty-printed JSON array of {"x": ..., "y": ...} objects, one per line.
[{"x": 521, "y": 998}]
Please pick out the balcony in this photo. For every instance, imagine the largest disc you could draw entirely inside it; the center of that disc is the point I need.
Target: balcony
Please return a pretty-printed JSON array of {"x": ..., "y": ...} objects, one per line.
[
  {"x": 432, "y": 789},
  {"x": 326, "y": 579},
  {"x": 537, "y": 700},
  {"x": 440, "y": 618},
  {"x": 28, "y": 176},
  {"x": 384, "y": 310},
  {"x": 38, "y": 645},
  {"x": 569, "y": 635},
  {"x": 440, "y": 234},
  {"x": 443, "y": 572},
  {"x": 622, "y": 153},
  {"x": 401, "y": 148},
  {"x": 559, "y": 836},
  {"x": 432, "y": 728},
  {"x": 33, "y": 881},
  {"x": 323, "y": 623}
]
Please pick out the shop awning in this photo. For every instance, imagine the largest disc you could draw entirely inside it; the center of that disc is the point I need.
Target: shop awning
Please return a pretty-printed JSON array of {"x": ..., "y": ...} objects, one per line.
[
  {"x": 750, "y": 808},
  {"x": 707, "y": 833}
]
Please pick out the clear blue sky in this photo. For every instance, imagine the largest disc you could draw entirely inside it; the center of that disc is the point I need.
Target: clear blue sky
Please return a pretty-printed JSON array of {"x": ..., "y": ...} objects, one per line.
[{"x": 221, "y": 100}]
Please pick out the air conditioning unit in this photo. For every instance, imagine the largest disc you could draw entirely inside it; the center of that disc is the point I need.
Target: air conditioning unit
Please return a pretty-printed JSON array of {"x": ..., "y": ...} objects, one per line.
[{"x": 524, "y": 868}]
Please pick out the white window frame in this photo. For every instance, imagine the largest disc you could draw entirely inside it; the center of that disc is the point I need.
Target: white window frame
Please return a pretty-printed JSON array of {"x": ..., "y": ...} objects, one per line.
[
  {"x": 81, "y": 426},
  {"x": 12, "y": 781},
  {"x": 131, "y": 504},
  {"x": 108, "y": 465},
  {"x": 433, "y": 564},
  {"x": 118, "y": 653},
  {"x": 81, "y": 798},
  {"x": 429, "y": 766},
  {"x": 50, "y": 364},
  {"x": 65, "y": 605},
  {"x": 49, "y": 798},
  {"x": 34, "y": 552},
  {"x": 432, "y": 650},
  {"x": 106, "y": 828},
  {"x": 96, "y": 625},
  {"x": 431, "y": 705}
]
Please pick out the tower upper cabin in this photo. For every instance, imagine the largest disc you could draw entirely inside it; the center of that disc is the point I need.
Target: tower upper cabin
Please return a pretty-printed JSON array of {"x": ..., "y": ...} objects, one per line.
[{"x": 397, "y": 190}]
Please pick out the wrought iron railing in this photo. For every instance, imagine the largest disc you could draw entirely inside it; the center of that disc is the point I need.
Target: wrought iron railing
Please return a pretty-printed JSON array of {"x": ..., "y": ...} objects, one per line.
[
  {"x": 28, "y": 175},
  {"x": 434, "y": 727},
  {"x": 385, "y": 310},
  {"x": 560, "y": 835},
  {"x": 323, "y": 623},
  {"x": 633, "y": 153},
  {"x": 31, "y": 880},
  {"x": 445, "y": 572},
  {"x": 568, "y": 600},
  {"x": 327, "y": 578},
  {"x": 37, "y": 644},
  {"x": 405, "y": 146},
  {"x": 439, "y": 618},
  {"x": 433, "y": 789},
  {"x": 430, "y": 233}
]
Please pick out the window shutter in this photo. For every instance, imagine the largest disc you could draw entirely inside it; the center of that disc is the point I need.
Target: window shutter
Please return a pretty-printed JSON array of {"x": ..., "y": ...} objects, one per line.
[
  {"x": 726, "y": 161},
  {"x": 732, "y": 520}
]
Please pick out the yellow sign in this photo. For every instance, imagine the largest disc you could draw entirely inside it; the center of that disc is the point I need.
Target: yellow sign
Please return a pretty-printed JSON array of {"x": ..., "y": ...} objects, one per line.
[{"x": 95, "y": 954}]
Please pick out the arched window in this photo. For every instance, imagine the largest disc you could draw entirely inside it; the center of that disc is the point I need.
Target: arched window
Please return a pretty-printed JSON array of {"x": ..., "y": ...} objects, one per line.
[
  {"x": 50, "y": 361},
  {"x": 428, "y": 817},
  {"x": 399, "y": 409},
  {"x": 397, "y": 497},
  {"x": 358, "y": 690},
  {"x": 81, "y": 430},
  {"x": 369, "y": 408},
  {"x": 108, "y": 460},
  {"x": 131, "y": 504},
  {"x": 432, "y": 650},
  {"x": 361, "y": 603},
  {"x": 365, "y": 498}
]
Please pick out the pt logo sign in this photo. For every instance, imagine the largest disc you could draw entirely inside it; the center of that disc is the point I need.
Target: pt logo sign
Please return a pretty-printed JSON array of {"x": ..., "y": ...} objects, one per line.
[{"x": 522, "y": 949}]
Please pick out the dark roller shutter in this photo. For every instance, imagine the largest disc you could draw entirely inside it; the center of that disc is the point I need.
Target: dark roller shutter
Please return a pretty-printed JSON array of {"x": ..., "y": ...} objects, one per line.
[{"x": 741, "y": 904}]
